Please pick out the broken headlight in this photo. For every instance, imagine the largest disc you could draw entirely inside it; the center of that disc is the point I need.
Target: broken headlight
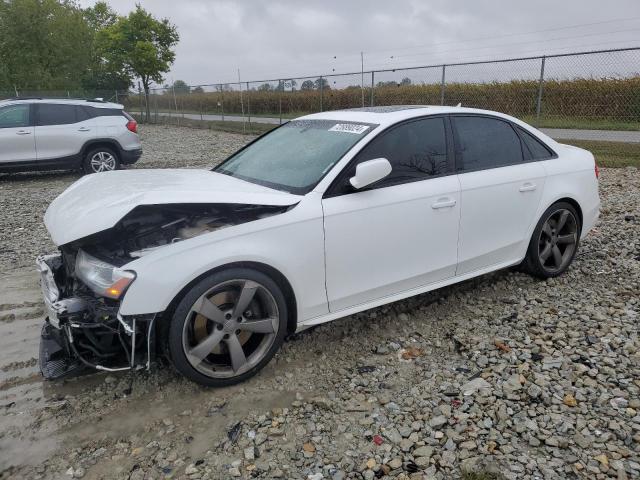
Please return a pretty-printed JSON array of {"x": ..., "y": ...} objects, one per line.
[{"x": 104, "y": 279}]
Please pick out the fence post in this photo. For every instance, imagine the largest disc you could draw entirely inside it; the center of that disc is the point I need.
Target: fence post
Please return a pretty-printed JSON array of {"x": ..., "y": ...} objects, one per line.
[
  {"x": 540, "y": 88},
  {"x": 248, "y": 106},
  {"x": 175, "y": 103},
  {"x": 442, "y": 84},
  {"x": 116, "y": 96},
  {"x": 222, "y": 101},
  {"x": 372, "y": 80},
  {"x": 281, "y": 88},
  {"x": 321, "y": 91},
  {"x": 140, "y": 100}
]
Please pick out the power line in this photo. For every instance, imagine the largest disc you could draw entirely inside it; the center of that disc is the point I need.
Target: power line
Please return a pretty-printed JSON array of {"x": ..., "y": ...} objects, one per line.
[
  {"x": 379, "y": 63},
  {"x": 506, "y": 35},
  {"x": 374, "y": 53}
]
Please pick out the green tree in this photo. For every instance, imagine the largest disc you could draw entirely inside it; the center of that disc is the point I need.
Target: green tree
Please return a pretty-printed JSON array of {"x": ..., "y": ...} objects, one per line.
[
  {"x": 181, "y": 87},
  {"x": 405, "y": 81},
  {"x": 197, "y": 90},
  {"x": 307, "y": 85},
  {"x": 142, "y": 46},
  {"x": 265, "y": 87},
  {"x": 42, "y": 45},
  {"x": 101, "y": 73},
  {"x": 321, "y": 81}
]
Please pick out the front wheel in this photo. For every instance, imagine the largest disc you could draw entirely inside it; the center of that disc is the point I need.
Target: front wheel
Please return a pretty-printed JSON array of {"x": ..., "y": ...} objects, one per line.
[
  {"x": 227, "y": 327},
  {"x": 554, "y": 242}
]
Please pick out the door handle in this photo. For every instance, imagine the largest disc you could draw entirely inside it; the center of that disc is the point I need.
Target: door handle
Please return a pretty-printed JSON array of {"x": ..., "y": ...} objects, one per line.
[
  {"x": 23, "y": 132},
  {"x": 443, "y": 203},
  {"x": 528, "y": 187},
  {"x": 84, "y": 129}
]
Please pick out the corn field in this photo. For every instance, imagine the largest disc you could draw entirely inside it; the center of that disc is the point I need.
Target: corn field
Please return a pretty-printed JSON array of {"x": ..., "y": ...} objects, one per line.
[{"x": 608, "y": 98}]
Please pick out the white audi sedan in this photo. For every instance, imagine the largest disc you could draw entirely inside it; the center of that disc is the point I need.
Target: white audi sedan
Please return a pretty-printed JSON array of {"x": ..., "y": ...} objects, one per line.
[{"x": 328, "y": 215}]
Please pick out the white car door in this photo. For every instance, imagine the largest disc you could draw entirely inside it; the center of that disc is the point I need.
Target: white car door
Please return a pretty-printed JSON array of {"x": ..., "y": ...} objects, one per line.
[
  {"x": 400, "y": 233},
  {"x": 500, "y": 193},
  {"x": 17, "y": 139},
  {"x": 61, "y": 130}
]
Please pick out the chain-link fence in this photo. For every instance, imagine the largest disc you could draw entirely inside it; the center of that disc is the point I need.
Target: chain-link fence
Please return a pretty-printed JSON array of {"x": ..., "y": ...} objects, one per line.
[{"x": 589, "y": 98}]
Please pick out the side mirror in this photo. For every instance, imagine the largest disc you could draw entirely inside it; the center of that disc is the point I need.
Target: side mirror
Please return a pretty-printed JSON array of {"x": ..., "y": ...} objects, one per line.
[{"x": 370, "y": 172}]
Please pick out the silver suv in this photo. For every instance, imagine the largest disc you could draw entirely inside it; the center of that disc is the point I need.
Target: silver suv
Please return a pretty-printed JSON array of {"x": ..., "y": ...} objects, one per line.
[{"x": 61, "y": 134}]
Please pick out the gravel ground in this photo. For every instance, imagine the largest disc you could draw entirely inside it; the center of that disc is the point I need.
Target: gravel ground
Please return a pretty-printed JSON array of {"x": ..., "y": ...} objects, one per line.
[
  {"x": 24, "y": 197},
  {"x": 505, "y": 375}
]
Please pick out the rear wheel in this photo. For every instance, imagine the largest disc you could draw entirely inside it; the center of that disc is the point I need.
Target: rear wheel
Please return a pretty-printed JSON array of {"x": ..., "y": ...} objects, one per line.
[
  {"x": 228, "y": 327},
  {"x": 554, "y": 242},
  {"x": 100, "y": 159}
]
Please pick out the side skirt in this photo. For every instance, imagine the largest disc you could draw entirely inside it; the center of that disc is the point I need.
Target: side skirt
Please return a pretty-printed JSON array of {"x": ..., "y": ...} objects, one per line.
[{"x": 401, "y": 296}]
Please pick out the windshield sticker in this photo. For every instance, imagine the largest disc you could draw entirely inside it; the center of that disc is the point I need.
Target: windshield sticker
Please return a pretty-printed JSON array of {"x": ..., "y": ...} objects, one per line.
[{"x": 349, "y": 128}]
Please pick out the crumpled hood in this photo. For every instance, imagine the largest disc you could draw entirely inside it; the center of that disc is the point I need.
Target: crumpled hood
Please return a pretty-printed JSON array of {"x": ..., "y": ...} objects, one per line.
[{"x": 97, "y": 202}]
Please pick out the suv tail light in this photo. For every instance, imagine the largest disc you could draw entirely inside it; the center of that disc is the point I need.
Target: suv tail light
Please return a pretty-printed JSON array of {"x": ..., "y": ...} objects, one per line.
[
  {"x": 597, "y": 170},
  {"x": 132, "y": 126}
]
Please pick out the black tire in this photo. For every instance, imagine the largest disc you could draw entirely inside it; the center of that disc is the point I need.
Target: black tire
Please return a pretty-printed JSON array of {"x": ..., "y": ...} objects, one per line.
[
  {"x": 534, "y": 262},
  {"x": 184, "y": 313},
  {"x": 105, "y": 155}
]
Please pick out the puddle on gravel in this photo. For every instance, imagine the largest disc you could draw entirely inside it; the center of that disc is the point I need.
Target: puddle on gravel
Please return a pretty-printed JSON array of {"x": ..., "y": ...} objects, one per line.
[{"x": 28, "y": 438}]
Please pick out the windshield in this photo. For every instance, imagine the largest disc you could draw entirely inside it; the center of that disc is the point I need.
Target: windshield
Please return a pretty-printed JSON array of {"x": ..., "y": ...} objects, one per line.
[{"x": 297, "y": 155}]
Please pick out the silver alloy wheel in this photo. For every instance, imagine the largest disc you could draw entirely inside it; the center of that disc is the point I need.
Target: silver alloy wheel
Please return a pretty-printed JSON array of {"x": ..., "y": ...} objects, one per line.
[
  {"x": 558, "y": 240},
  {"x": 103, "y": 162},
  {"x": 230, "y": 328}
]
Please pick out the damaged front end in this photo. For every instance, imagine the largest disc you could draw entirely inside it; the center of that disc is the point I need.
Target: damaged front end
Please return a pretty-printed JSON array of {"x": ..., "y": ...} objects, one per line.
[
  {"x": 83, "y": 330},
  {"x": 84, "y": 284}
]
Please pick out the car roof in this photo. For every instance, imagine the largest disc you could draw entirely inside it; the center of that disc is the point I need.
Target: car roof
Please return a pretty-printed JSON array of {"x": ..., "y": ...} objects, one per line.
[
  {"x": 394, "y": 113},
  {"x": 385, "y": 116},
  {"x": 97, "y": 103}
]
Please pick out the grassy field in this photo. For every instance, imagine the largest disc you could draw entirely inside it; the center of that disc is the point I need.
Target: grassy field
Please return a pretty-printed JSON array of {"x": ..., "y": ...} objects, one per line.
[
  {"x": 578, "y": 123},
  {"x": 611, "y": 154},
  {"x": 231, "y": 127},
  {"x": 581, "y": 123}
]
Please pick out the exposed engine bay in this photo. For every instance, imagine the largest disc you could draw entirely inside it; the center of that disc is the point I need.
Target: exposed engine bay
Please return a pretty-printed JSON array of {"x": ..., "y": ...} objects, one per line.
[
  {"x": 149, "y": 227},
  {"x": 84, "y": 329}
]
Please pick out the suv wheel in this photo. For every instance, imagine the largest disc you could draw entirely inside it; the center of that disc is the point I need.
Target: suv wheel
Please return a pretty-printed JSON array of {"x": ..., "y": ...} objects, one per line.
[
  {"x": 227, "y": 327},
  {"x": 100, "y": 159}
]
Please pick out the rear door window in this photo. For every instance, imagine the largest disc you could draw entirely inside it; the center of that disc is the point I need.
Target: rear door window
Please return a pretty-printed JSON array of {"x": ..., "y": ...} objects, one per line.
[
  {"x": 484, "y": 143},
  {"x": 55, "y": 114},
  {"x": 14, "y": 116}
]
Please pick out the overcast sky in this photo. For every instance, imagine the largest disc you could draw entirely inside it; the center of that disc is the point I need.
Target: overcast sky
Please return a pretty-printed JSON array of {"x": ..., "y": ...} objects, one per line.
[{"x": 287, "y": 38}]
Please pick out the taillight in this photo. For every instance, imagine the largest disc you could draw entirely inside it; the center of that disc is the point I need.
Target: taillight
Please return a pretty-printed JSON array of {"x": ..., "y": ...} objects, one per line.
[
  {"x": 597, "y": 171},
  {"x": 132, "y": 126}
]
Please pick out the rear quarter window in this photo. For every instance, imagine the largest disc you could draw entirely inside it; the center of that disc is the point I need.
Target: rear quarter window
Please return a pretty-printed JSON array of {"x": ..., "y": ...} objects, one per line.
[
  {"x": 536, "y": 149},
  {"x": 107, "y": 112}
]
